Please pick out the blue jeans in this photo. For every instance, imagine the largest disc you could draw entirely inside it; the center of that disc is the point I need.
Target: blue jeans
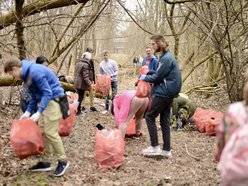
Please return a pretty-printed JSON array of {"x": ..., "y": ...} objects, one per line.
[{"x": 114, "y": 85}]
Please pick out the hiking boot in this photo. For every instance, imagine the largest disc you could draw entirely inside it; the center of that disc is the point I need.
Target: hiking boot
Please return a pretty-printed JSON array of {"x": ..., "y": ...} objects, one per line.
[
  {"x": 61, "y": 168},
  {"x": 166, "y": 154},
  {"x": 152, "y": 151},
  {"x": 93, "y": 109},
  {"x": 41, "y": 167}
]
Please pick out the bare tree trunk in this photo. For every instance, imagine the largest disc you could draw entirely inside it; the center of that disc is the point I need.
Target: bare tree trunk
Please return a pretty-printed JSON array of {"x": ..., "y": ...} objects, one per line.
[{"x": 19, "y": 28}]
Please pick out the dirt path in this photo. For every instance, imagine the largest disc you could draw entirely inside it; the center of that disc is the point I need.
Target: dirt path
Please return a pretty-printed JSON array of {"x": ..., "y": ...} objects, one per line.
[{"x": 181, "y": 169}]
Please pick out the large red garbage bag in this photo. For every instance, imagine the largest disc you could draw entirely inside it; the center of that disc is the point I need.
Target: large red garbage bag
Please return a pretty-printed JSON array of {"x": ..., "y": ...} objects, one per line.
[
  {"x": 143, "y": 89},
  {"x": 213, "y": 122},
  {"x": 207, "y": 120},
  {"x": 131, "y": 128},
  {"x": 66, "y": 125},
  {"x": 210, "y": 126},
  {"x": 109, "y": 148},
  {"x": 26, "y": 138},
  {"x": 103, "y": 84}
]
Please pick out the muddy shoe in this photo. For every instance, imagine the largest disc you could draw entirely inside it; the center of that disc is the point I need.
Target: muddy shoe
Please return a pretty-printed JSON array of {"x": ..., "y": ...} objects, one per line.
[
  {"x": 61, "y": 168},
  {"x": 41, "y": 167},
  {"x": 152, "y": 151},
  {"x": 93, "y": 109}
]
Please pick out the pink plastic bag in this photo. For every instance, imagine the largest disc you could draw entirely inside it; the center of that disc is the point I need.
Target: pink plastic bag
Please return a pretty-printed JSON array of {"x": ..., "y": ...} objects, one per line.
[
  {"x": 103, "y": 84},
  {"x": 109, "y": 148},
  {"x": 26, "y": 138},
  {"x": 143, "y": 70},
  {"x": 233, "y": 164},
  {"x": 66, "y": 125},
  {"x": 131, "y": 128},
  {"x": 203, "y": 119},
  {"x": 143, "y": 89}
]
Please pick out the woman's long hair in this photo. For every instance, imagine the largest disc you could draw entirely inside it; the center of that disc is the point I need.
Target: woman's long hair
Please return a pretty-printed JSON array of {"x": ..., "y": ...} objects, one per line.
[{"x": 163, "y": 45}]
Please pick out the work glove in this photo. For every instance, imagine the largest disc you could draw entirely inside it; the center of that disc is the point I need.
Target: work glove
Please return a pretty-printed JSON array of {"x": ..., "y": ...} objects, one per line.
[
  {"x": 142, "y": 77},
  {"x": 36, "y": 116},
  {"x": 25, "y": 115}
]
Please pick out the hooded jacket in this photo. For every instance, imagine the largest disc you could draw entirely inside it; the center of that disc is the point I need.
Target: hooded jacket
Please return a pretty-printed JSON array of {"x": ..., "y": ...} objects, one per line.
[
  {"x": 167, "y": 79},
  {"x": 42, "y": 83}
]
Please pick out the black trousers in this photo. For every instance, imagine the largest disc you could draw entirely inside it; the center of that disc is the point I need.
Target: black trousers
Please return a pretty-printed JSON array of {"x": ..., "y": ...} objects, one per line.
[
  {"x": 162, "y": 106},
  {"x": 80, "y": 98}
]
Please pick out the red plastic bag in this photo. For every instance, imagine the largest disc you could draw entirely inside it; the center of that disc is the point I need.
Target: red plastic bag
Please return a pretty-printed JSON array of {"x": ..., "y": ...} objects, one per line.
[
  {"x": 26, "y": 138},
  {"x": 65, "y": 125},
  {"x": 103, "y": 84},
  {"x": 143, "y": 70},
  {"x": 72, "y": 97},
  {"x": 211, "y": 127},
  {"x": 131, "y": 128},
  {"x": 143, "y": 89},
  {"x": 109, "y": 148},
  {"x": 202, "y": 119}
]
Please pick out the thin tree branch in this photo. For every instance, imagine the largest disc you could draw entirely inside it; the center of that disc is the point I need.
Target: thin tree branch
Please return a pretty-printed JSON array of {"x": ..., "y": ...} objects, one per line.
[
  {"x": 36, "y": 7},
  {"x": 179, "y": 2}
]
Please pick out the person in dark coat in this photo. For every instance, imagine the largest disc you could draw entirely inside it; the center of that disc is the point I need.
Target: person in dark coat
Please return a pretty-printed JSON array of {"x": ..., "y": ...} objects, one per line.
[
  {"x": 83, "y": 78},
  {"x": 91, "y": 91},
  {"x": 167, "y": 82}
]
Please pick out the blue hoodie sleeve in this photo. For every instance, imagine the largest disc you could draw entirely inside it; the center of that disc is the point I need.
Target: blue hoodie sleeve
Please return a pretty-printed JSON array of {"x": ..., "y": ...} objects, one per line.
[
  {"x": 32, "y": 104},
  {"x": 161, "y": 73},
  {"x": 41, "y": 82}
]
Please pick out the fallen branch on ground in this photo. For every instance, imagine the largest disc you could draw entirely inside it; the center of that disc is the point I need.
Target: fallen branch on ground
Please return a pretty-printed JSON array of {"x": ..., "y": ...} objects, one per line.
[{"x": 192, "y": 156}]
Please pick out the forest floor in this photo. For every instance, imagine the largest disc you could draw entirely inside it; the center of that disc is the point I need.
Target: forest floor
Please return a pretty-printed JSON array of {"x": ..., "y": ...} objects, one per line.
[{"x": 181, "y": 169}]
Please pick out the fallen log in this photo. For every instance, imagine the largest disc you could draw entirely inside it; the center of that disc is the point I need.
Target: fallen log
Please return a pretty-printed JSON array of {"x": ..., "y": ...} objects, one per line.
[{"x": 9, "y": 81}]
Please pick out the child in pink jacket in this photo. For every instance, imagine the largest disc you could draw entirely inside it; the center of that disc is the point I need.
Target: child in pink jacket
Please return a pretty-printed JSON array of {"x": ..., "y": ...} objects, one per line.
[{"x": 125, "y": 107}]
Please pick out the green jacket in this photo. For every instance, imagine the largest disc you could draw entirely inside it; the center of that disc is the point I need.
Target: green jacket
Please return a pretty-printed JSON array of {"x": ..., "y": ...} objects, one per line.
[{"x": 183, "y": 103}]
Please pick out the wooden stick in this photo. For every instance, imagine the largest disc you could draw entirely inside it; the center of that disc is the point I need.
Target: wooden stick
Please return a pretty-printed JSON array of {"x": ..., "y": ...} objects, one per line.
[{"x": 192, "y": 156}]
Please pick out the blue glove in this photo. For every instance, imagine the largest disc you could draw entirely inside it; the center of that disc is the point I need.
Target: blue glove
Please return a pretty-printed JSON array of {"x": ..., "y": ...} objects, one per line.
[{"x": 142, "y": 77}]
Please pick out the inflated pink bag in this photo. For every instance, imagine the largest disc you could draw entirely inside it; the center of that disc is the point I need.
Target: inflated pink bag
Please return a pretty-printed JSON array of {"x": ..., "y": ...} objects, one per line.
[{"x": 233, "y": 164}]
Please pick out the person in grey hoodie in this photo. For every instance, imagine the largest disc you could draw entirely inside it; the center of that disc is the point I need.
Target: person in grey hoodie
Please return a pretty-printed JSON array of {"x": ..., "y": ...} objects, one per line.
[
  {"x": 109, "y": 67},
  {"x": 167, "y": 82}
]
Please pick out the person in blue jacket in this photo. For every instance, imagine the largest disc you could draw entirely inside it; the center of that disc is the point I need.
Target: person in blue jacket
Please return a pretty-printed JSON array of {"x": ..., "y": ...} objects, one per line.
[
  {"x": 44, "y": 89},
  {"x": 25, "y": 96},
  {"x": 150, "y": 60},
  {"x": 167, "y": 85}
]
